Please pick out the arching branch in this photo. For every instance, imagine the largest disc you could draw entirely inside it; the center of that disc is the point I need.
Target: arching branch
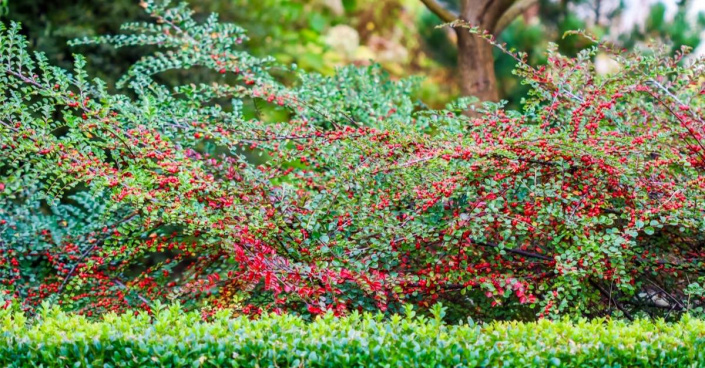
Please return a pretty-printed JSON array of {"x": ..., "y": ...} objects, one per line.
[
  {"x": 438, "y": 9},
  {"x": 512, "y": 13}
]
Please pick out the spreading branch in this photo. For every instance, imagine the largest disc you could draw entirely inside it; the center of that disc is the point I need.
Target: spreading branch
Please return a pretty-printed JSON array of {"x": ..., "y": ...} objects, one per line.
[
  {"x": 440, "y": 11},
  {"x": 612, "y": 300},
  {"x": 512, "y": 13}
]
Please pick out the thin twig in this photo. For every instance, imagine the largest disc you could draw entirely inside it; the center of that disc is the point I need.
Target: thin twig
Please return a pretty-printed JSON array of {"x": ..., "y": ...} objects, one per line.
[{"x": 616, "y": 303}]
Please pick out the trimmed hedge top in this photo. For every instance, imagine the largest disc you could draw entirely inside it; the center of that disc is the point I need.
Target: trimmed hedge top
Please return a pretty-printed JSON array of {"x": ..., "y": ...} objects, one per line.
[{"x": 172, "y": 337}]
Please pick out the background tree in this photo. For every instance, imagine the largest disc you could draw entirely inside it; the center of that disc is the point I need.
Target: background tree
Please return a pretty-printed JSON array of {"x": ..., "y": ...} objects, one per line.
[
  {"x": 476, "y": 73},
  {"x": 679, "y": 31},
  {"x": 399, "y": 34},
  {"x": 530, "y": 25}
]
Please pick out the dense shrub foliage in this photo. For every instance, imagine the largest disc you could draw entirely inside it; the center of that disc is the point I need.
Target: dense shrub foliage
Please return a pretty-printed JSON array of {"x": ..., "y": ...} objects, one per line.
[
  {"x": 353, "y": 197},
  {"x": 174, "y": 338}
]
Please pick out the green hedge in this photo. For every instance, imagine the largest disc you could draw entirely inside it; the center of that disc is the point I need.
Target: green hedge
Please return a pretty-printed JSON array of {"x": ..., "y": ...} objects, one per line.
[{"x": 175, "y": 338}]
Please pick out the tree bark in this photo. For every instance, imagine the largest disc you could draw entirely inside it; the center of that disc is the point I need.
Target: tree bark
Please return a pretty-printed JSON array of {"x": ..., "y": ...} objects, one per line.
[
  {"x": 475, "y": 58},
  {"x": 476, "y": 67},
  {"x": 514, "y": 11}
]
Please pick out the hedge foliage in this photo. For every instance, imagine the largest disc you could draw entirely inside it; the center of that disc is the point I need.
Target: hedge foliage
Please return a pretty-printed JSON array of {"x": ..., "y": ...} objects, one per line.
[{"x": 172, "y": 337}]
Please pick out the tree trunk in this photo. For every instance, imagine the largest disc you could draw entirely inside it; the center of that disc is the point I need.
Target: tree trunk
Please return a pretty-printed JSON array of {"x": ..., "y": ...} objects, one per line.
[
  {"x": 476, "y": 67},
  {"x": 475, "y": 59}
]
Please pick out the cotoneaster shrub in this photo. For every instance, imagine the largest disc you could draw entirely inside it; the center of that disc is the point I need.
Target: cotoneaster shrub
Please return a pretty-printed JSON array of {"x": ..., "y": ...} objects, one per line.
[
  {"x": 173, "y": 338},
  {"x": 352, "y": 197}
]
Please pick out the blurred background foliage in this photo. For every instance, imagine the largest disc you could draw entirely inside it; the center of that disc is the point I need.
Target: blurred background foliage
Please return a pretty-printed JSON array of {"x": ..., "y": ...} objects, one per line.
[{"x": 318, "y": 35}]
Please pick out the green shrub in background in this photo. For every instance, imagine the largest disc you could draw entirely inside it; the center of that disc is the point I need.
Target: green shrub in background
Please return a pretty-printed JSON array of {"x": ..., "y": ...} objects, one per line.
[{"x": 172, "y": 337}]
